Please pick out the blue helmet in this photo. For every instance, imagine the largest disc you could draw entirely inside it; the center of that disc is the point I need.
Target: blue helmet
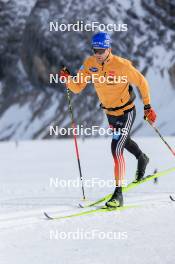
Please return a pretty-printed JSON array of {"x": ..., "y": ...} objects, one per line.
[{"x": 101, "y": 40}]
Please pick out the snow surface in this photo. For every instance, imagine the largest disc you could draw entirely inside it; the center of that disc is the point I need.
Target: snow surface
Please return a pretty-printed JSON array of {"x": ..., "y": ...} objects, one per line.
[{"x": 147, "y": 233}]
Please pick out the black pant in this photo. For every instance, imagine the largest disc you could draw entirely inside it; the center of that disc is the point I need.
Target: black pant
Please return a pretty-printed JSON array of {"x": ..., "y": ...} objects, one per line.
[{"x": 121, "y": 139}]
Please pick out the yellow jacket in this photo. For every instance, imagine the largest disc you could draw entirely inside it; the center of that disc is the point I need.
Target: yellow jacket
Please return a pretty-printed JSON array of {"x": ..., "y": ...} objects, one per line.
[{"x": 117, "y": 73}]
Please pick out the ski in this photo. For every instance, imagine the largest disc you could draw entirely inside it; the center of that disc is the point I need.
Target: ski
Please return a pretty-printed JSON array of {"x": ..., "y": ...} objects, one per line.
[
  {"x": 108, "y": 196},
  {"x": 172, "y": 199},
  {"x": 131, "y": 186},
  {"x": 99, "y": 210},
  {"x": 48, "y": 216}
]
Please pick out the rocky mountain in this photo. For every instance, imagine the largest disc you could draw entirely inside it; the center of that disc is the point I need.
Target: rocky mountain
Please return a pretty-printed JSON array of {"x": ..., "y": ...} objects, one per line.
[{"x": 30, "y": 51}]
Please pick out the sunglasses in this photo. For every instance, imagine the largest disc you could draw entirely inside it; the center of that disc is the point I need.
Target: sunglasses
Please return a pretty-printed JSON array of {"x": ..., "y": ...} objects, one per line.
[{"x": 99, "y": 51}]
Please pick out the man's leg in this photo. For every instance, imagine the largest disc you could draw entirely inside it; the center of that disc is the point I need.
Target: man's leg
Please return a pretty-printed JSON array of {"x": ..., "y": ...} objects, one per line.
[
  {"x": 132, "y": 147},
  {"x": 142, "y": 158},
  {"x": 122, "y": 126}
]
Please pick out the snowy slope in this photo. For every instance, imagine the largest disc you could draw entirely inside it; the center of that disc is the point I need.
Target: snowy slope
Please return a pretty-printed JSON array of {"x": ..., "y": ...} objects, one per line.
[{"x": 143, "y": 235}]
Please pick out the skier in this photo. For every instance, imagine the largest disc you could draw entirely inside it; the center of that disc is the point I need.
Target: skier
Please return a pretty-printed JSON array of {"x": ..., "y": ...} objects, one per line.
[{"x": 117, "y": 100}]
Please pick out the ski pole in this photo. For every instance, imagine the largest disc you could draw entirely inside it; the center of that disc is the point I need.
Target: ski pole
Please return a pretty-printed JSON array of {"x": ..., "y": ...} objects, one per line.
[
  {"x": 157, "y": 131},
  {"x": 75, "y": 140}
]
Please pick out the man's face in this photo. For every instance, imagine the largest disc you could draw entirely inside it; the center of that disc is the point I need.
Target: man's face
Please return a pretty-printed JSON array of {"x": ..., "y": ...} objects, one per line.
[{"x": 101, "y": 54}]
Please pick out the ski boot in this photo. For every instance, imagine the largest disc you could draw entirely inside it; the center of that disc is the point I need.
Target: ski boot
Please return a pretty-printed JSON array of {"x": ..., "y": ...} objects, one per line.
[
  {"x": 141, "y": 166},
  {"x": 117, "y": 198}
]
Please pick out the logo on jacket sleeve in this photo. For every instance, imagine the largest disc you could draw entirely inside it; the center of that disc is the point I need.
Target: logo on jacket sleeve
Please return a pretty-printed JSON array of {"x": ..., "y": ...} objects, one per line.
[
  {"x": 111, "y": 73},
  {"x": 93, "y": 69}
]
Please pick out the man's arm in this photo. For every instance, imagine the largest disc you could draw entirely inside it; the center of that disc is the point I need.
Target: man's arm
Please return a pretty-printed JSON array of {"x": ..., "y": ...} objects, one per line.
[{"x": 136, "y": 78}]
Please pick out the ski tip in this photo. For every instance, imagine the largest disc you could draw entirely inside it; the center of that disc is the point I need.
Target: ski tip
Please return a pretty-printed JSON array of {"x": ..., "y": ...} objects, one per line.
[
  {"x": 47, "y": 216},
  {"x": 171, "y": 198},
  {"x": 80, "y": 205}
]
